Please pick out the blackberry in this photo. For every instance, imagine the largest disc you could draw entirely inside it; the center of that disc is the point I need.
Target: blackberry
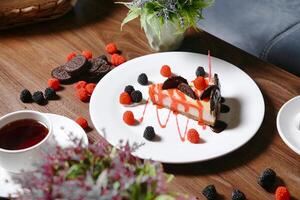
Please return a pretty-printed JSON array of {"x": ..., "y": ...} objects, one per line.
[
  {"x": 129, "y": 89},
  {"x": 238, "y": 195},
  {"x": 26, "y": 96},
  {"x": 267, "y": 179},
  {"x": 50, "y": 94},
  {"x": 200, "y": 71},
  {"x": 149, "y": 133},
  {"x": 143, "y": 79},
  {"x": 210, "y": 192},
  {"x": 136, "y": 96},
  {"x": 38, "y": 97}
]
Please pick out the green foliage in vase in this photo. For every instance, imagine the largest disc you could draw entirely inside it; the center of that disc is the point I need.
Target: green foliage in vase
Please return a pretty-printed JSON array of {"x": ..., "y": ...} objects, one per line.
[{"x": 185, "y": 13}]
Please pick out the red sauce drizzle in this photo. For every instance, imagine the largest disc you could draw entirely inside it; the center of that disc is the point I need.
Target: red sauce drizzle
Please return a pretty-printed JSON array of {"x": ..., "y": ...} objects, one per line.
[
  {"x": 159, "y": 121},
  {"x": 182, "y": 138},
  {"x": 145, "y": 108}
]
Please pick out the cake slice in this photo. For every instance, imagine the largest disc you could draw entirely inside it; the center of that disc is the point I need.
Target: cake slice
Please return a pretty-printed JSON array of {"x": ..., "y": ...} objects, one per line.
[{"x": 182, "y": 97}]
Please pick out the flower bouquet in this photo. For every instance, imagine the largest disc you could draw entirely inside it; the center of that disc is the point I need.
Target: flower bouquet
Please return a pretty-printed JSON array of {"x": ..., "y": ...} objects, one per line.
[
  {"x": 96, "y": 172},
  {"x": 165, "y": 21}
]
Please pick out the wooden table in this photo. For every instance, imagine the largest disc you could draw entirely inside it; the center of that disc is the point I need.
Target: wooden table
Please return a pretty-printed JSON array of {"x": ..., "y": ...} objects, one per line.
[{"x": 28, "y": 54}]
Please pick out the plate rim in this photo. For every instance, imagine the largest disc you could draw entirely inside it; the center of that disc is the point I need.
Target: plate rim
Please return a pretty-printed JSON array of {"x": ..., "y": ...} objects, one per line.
[
  {"x": 280, "y": 131},
  {"x": 191, "y": 53}
]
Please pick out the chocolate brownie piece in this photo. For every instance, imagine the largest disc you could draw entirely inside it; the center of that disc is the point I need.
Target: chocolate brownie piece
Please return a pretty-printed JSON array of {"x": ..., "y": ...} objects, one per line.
[
  {"x": 77, "y": 65},
  {"x": 61, "y": 74}
]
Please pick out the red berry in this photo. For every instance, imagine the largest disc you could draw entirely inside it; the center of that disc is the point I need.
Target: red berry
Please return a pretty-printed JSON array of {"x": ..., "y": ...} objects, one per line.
[
  {"x": 54, "y": 83},
  {"x": 111, "y": 48},
  {"x": 128, "y": 118},
  {"x": 82, "y": 122},
  {"x": 90, "y": 88},
  {"x": 125, "y": 98},
  {"x": 70, "y": 56},
  {"x": 83, "y": 95},
  {"x": 199, "y": 83},
  {"x": 193, "y": 136},
  {"x": 87, "y": 54},
  {"x": 165, "y": 71},
  {"x": 282, "y": 193},
  {"x": 117, "y": 60},
  {"x": 80, "y": 84}
]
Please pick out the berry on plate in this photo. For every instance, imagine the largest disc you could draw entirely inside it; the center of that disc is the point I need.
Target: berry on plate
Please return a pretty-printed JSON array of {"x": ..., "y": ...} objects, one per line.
[
  {"x": 166, "y": 71},
  {"x": 149, "y": 133},
  {"x": 143, "y": 79},
  {"x": 193, "y": 136},
  {"x": 125, "y": 98},
  {"x": 128, "y": 118}
]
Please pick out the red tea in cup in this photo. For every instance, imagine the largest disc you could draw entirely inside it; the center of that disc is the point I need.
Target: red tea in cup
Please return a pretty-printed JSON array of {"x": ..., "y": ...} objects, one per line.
[{"x": 22, "y": 134}]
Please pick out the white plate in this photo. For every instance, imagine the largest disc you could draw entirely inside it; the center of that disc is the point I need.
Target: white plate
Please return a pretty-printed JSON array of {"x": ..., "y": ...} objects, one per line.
[
  {"x": 288, "y": 123},
  {"x": 241, "y": 93},
  {"x": 63, "y": 127}
]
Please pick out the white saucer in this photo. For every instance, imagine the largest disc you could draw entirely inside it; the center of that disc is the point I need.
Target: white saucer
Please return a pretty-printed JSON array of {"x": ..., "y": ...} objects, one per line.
[
  {"x": 63, "y": 127},
  {"x": 288, "y": 123}
]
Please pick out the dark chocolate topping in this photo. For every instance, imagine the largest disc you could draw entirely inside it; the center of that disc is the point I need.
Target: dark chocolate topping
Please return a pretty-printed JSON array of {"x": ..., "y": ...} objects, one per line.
[
  {"x": 215, "y": 98},
  {"x": 186, "y": 89},
  {"x": 173, "y": 82},
  {"x": 207, "y": 92}
]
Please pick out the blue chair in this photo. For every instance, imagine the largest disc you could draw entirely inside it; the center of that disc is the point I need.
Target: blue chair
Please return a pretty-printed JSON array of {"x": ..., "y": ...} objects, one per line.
[{"x": 268, "y": 29}]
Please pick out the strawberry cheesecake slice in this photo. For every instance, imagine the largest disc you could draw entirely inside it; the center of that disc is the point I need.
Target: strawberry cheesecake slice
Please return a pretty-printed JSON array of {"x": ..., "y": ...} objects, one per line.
[{"x": 182, "y": 97}]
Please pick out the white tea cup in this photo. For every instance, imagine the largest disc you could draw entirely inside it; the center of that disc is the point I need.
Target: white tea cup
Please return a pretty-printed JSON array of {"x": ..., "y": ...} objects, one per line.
[{"x": 23, "y": 159}]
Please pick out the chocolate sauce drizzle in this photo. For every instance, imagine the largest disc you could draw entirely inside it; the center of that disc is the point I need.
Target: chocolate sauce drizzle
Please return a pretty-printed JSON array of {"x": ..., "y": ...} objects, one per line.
[
  {"x": 219, "y": 126},
  {"x": 224, "y": 108}
]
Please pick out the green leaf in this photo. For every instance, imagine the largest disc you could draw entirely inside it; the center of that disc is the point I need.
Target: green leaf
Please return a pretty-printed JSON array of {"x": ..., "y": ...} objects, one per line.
[
  {"x": 75, "y": 171},
  {"x": 132, "y": 14},
  {"x": 164, "y": 197}
]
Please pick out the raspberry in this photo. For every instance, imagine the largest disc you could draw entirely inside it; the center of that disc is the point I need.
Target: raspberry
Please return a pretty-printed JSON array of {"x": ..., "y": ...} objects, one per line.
[
  {"x": 199, "y": 83},
  {"x": 149, "y": 133},
  {"x": 117, "y": 60},
  {"x": 80, "y": 84},
  {"x": 82, "y": 122},
  {"x": 128, "y": 118},
  {"x": 200, "y": 71},
  {"x": 26, "y": 96},
  {"x": 165, "y": 71},
  {"x": 267, "y": 179},
  {"x": 111, "y": 48},
  {"x": 136, "y": 96},
  {"x": 87, "y": 54},
  {"x": 70, "y": 56},
  {"x": 83, "y": 95},
  {"x": 143, "y": 79},
  {"x": 210, "y": 192},
  {"x": 90, "y": 88},
  {"x": 282, "y": 193},
  {"x": 129, "y": 89},
  {"x": 125, "y": 98},
  {"x": 54, "y": 83},
  {"x": 50, "y": 94},
  {"x": 238, "y": 195},
  {"x": 193, "y": 136},
  {"x": 38, "y": 97}
]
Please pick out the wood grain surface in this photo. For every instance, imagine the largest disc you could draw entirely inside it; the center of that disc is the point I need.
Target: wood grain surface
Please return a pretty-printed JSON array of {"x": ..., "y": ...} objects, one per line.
[{"x": 28, "y": 54}]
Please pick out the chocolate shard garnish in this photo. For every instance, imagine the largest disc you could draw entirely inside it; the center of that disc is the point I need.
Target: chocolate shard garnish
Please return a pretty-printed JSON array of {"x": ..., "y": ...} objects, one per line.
[
  {"x": 206, "y": 93},
  {"x": 186, "y": 89},
  {"x": 215, "y": 99},
  {"x": 173, "y": 82}
]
